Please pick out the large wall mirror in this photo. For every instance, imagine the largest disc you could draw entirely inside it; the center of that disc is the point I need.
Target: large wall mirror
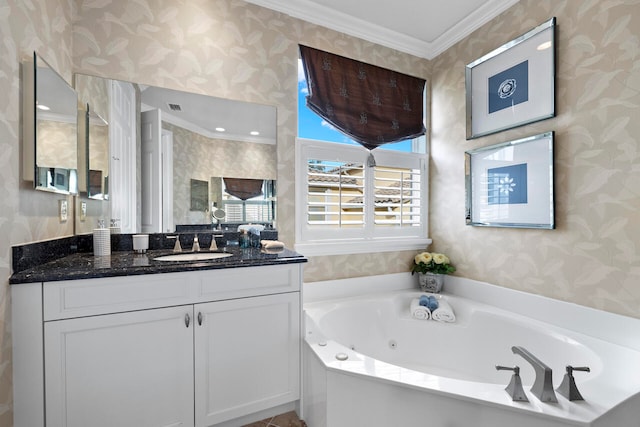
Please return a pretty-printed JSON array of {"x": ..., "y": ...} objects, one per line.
[
  {"x": 179, "y": 137},
  {"x": 50, "y": 134}
]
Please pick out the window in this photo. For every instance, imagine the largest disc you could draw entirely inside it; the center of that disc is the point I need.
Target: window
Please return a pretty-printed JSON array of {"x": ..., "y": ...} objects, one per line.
[{"x": 342, "y": 205}]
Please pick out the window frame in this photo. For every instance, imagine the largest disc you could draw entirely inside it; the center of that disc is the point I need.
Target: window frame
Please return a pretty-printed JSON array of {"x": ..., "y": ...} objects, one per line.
[{"x": 370, "y": 238}]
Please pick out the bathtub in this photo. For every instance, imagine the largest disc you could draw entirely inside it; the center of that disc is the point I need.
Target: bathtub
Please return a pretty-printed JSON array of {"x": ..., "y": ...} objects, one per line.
[{"x": 368, "y": 362}]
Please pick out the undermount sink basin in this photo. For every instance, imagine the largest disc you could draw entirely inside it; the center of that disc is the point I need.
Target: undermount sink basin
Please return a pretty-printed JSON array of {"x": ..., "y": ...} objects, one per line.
[{"x": 193, "y": 256}]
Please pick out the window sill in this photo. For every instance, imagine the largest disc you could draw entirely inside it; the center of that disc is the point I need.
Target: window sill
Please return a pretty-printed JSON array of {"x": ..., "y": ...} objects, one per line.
[{"x": 361, "y": 246}]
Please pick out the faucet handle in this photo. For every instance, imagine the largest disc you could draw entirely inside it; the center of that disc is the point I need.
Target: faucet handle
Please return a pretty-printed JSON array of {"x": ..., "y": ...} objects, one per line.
[
  {"x": 514, "y": 388},
  {"x": 568, "y": 387}
]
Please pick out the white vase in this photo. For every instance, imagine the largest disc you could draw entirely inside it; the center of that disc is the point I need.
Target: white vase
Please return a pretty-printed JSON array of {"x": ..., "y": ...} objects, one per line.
[{"x": 431, "y": 282}]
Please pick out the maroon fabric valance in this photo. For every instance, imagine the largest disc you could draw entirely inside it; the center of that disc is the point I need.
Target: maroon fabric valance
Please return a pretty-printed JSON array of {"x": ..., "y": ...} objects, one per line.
[
  {"x": 371, "y": 105},
  {"x": 243, "y": 188}
]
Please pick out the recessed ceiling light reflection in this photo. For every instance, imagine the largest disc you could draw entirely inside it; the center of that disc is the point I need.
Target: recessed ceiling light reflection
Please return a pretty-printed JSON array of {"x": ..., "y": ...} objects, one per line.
[
  {"x": 255, "y": 133},
  {"x": 220, "y": 129},
  {"x": 43, "y": 107},
  {"x": 543, "y": 46}
]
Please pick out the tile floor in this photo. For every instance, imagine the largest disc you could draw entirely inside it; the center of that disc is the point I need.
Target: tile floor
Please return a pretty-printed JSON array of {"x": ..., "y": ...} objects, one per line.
[{"x": 289, "y": 419}]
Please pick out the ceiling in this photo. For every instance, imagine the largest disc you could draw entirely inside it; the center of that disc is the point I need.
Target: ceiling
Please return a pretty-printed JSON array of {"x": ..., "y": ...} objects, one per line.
[
  {"x": 206, "y": 114},
  {"x": 424, "y": 28}
]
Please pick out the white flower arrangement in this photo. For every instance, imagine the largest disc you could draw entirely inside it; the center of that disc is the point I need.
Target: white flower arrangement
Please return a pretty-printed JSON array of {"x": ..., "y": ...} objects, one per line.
[{"x": 431, "y": 262}]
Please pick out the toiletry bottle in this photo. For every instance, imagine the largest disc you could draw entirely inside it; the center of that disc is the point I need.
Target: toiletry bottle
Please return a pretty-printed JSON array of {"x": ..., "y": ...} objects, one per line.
[{"x": 244, "y": 239}]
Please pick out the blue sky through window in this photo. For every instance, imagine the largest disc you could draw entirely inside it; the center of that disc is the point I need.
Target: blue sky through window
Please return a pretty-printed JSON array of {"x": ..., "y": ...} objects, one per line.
[{"x": 312, "y": 126}]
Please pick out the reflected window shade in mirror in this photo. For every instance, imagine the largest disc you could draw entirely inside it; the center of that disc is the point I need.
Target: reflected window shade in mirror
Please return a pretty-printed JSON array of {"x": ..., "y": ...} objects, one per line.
[
  {"x": 243, "y": 188},
  {"x": 370, "y": 104}
]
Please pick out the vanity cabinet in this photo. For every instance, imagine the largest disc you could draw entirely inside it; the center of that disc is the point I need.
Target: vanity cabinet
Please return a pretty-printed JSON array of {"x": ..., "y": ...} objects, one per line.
[{"x": 178, "y": 349}]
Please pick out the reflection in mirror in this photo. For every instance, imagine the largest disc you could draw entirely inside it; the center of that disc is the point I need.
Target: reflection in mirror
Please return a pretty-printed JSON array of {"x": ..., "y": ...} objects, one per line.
[
  {"x": 183, "y": 136},
  {"x": 93, "y": 155},
  {"x": 199, "y": 195},
  {"x": 243, "y": 200},
  {"x": 50, "y": 129},
  {"x": 93, "y": 166},
  {"x": 98, "y": 171}
]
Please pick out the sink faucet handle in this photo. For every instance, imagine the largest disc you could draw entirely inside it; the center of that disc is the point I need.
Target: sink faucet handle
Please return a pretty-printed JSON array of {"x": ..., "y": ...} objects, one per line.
[
  {"x": 568, "y": 387},
  {"x": 514, "y": 388}
]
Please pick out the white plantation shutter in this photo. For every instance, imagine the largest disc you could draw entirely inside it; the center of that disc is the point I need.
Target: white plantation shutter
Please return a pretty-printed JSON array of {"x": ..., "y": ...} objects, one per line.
[
  {"x": 342, "y": 201},
  {"x": 247, "y": 211},
  {"x": 397, "y": 197},
  {"x": 334, "y": 196}
]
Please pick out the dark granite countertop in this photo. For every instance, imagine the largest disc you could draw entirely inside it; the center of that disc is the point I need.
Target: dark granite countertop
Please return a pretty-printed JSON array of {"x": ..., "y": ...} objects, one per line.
[{"x": 84, "y": 265}]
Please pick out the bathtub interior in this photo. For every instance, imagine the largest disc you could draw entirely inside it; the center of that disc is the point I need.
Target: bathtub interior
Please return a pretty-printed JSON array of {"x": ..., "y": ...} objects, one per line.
[
  {"x": 469, "y": 349},
  {"x": 378, "y": 335}
]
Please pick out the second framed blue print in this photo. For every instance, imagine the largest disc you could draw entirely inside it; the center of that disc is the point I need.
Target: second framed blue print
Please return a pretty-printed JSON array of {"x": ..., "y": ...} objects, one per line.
[
  {"x": 512, "y": 85},
  {"x": 511, "y": 184}
]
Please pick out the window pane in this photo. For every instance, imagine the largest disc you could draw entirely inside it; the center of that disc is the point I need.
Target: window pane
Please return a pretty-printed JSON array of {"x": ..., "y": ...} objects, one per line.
[
  {"x": 397, "y": 197},
  {"x": 335, "y": 193}
]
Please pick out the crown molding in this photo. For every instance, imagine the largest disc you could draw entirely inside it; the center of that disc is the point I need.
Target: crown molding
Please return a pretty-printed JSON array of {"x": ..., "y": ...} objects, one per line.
[{"x": 310, "y": 11}]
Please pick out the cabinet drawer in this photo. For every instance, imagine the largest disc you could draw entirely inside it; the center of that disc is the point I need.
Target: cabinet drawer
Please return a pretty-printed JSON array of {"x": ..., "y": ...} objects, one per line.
[
  {"x": 87, "y": 297},
  {"x": 250, "y": 281}
]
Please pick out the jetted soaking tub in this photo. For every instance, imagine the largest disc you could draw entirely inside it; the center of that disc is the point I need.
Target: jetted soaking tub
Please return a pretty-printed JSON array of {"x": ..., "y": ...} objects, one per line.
[{"x": 368, "y": 362}]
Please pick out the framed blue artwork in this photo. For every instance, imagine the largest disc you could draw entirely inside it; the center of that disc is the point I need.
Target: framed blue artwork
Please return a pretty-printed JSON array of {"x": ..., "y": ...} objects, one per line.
[
  {"x": 507, "y": 185},
  {"x": 511, "y": 184},
  {"x": 512, "y": 85}
]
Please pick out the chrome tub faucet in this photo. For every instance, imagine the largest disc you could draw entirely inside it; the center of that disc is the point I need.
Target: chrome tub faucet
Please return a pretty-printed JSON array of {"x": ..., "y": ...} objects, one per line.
[{"x": 543, "y": 385}]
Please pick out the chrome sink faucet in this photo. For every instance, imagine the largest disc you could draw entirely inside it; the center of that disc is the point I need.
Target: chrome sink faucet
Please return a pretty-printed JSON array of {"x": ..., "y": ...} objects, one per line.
[
  {"x": 543, "y": 385},
  {"x": 196, "y": 244},
  {"x": 176, "y": 247}
]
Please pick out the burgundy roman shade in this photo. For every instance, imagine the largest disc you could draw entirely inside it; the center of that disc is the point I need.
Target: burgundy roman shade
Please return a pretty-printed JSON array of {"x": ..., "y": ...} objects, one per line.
[
  {"x": 243, "y": 188},
  {"x": 371, "y": 105}
]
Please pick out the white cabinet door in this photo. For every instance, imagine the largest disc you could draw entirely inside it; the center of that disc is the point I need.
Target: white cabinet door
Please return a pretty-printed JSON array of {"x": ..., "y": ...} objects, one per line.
[
  {"x": 128, "y": 370},
  {"x": 247, "y": 356}
]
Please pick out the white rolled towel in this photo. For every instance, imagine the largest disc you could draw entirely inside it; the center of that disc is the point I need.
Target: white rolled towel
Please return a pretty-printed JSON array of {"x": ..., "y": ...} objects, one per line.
[
  {"x": 272, "y": 244},
  {"x": 444, "y": 312},
  {"x": 418, "y": 311}
]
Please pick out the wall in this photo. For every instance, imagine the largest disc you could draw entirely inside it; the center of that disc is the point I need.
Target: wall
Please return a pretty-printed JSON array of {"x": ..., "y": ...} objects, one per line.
[
  {"x": 592, "y": 258},
  {"x": 26, "y": 215}
]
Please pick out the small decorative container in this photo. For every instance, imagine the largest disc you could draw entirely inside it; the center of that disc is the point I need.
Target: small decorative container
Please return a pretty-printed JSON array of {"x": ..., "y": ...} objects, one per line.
[
  {"x": 101, "y": 242},
  {"x": 431, "y": 282}
]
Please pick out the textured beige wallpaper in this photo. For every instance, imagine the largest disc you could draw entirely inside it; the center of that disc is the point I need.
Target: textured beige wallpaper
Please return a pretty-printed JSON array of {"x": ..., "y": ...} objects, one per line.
[
  {"x": 592, "y": 258},
  {"x": 26, "y": 215}
]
